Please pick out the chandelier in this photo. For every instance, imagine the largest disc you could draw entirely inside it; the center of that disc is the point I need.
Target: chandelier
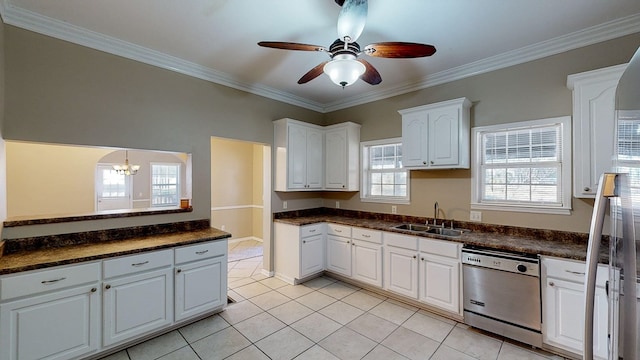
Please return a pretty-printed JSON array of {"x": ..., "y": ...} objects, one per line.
[{"x": 126, "y": 169}]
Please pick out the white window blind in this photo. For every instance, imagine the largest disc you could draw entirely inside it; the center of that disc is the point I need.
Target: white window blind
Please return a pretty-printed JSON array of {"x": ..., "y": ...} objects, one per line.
[
  {"x": 628, "y": 151},
  {"x": 165, "y": 184},
  {"x": 523, "y": 165}
]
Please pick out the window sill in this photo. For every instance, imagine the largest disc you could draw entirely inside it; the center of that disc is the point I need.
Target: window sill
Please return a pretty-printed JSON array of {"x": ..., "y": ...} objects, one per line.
[
  {"x": 386, "y": 201},
  {"x": 521, "y": 208}
]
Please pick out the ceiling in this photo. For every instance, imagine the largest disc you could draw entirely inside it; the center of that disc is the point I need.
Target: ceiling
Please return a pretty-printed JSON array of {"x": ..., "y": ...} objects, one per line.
[{"x": 217, "y": 40}]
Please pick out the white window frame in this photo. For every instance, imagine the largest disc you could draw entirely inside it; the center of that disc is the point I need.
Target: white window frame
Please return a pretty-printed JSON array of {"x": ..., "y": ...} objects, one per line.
[
  {"x": 364, "y": 188},
  {"x": 178, "y": 185},
  {"x": 564, "y": 123}
]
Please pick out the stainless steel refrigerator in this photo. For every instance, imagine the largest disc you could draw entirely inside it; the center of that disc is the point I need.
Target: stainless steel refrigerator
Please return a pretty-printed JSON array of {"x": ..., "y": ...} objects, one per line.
[{"x": 618, "y": 197}]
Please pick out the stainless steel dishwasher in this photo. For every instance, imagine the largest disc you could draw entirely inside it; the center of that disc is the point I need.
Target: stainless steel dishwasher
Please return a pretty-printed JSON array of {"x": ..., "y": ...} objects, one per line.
[{"x": 502, "y": 293}]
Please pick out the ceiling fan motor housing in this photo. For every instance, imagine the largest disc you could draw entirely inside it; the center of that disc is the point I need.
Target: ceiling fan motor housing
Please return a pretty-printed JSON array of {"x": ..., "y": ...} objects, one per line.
[{"x": 338, "y": 48}]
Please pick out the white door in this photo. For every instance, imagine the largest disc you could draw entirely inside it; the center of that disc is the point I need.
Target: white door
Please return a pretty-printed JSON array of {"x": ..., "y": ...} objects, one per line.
[
  {"x": 401, "y": 271},
  {"x": 366, "y": 263},
  {"x": 60, "y": 325},
  {"x": 443, "y": 136},
  {"x": 137, "y": 304},
  {"x": 315, "y": 163},
  {"x": 414, "y": 139},
  {"x": 198, "y": 287},
  {"x": 113, "y": 191},
  {"x": 336, "y": 151},
  {"x": 440, "y": 282},
  {"x": 339, "y": 255},
  {"x": 311, "y": 255}
]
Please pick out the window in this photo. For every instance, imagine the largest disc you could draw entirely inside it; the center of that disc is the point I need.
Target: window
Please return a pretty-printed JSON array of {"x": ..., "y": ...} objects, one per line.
[
  {"x": 628, "y": 150},
  {"x": 523, "y": 166},
  {"x": 384, "y": 179},
  {"x": 165, "y": 181}
]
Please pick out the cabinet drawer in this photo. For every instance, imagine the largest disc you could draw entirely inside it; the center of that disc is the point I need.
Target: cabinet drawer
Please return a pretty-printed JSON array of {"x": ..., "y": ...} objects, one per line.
[
  {"x": 13, "y": 286},
  {"x": 339, "y": 230},
  {"x": 572, "y": 270},
  {"x": 311, "y": 230},
  {"x": 137, "y": 263},
  {"x": 401, "y": 241},
  {"x": 441, "y": 248},
  {"x": 200, "y": 251},
  {"x": 367, "y": 235}
]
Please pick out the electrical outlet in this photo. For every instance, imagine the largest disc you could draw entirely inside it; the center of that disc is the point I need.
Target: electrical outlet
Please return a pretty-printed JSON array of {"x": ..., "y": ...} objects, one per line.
[
  {"x": 222, "y": 227},
  {"x": 475, "y": 216},
  {"x": 284, "y": 205},
  {"x": 337, "y": 204},
  {"x": 394, "y": 209}
]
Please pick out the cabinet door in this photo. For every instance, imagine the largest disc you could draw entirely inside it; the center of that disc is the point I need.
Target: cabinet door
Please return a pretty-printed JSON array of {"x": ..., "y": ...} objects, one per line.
[
  {"x": 401, "y": 271},
  {"x": 311, "y": 255},
  {"x": 440, "y": 282},
  {"x": 414, "y": 137},
  {"x": 366, "y": 265},
  {"x": 563, "y": 316},
  {"x": 339, "y": 255},
  {"x": 297, "y": 157},
  {"x": 134, "y": 305},
  {"x": 59, "y": 325},
  {"x": 200, "y": 286},
  {"x": 315, "y": 164},
  {"x": 443, "y": 132},
  {"x": 336, "y": 155}
]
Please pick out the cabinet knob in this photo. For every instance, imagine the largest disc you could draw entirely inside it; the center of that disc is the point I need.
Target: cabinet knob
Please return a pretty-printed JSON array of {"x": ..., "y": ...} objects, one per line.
[
  {"x": 107, "y": 286},
  {"x": 94, "y": 289},
  {"x": 415, "y": 256},
  {"x": 422, "y": 259},
  {"x": 304, "y": 241},
  {"x": 343, "y": 186},
  {"x": 178, "y": 271},
  {"x": 424, "y": 163},
  {"x": 587, "y": 188},
  {"x": 348, "y": 242},
  {"x": 431, "y": 162},
  {"x": 551, "y": 283}
]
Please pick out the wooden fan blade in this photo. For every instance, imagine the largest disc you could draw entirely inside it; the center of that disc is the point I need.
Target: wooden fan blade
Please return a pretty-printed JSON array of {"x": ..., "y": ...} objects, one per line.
[
  {"x": 291, "y": 46},
  {"x": 399, "y": 50},
  {"x": 313, "y": 73},
  {"x": 340, "y": 2},
  {"x": 371, "y": 75}
]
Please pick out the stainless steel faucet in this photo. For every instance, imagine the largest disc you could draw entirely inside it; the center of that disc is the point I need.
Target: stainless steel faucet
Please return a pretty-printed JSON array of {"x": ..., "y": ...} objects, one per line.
[{"x": 436, "y": 209}]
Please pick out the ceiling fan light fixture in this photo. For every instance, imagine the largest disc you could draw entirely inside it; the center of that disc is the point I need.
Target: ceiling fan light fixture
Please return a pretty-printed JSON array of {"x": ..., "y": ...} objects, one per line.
[{"x": 344, "y": 70}]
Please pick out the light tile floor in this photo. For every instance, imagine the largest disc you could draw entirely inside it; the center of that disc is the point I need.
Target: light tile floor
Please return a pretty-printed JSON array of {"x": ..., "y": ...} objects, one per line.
[{"x": 321, "y": 319}]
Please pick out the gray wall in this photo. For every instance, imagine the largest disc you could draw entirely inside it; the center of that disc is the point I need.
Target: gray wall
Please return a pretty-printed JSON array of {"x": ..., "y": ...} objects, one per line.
[
  {"x": 3, "y": 175},
  {"x": 60, "y": 92}
]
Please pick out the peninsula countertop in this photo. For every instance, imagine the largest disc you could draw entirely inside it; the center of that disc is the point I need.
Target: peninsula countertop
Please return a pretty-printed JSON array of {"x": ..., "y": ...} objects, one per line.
[{"x": 90, "y": 251}]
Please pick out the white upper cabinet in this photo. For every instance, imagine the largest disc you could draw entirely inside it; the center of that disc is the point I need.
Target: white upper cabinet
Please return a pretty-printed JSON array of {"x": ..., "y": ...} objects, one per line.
[
  {"x": 308, "y": 157},
  {"x": 436, "y": 136},
  {"x": 342, "y": 157},
  {"x": 298, "y": 155},
  {"x": 593, "y": 126}
]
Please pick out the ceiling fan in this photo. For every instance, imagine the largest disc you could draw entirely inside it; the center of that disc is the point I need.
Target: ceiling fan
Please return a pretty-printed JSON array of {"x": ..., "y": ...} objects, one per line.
[{"x": 344, "y": 67}]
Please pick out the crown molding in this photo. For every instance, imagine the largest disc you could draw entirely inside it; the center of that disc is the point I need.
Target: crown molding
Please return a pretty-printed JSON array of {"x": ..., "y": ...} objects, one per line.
[{"x": 28, "y": 20}]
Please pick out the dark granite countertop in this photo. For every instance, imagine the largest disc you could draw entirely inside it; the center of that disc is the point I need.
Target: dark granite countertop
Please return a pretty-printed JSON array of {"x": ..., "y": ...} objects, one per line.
[
  {"x": 562, "y": 244},
  {"x": 48, "y": 256}
]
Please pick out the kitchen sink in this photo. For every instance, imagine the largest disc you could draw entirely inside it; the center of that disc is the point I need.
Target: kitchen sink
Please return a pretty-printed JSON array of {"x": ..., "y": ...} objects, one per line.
[
  {"x": 445, "y": 231},
  {"x": 431, "y": 229},
  {"x": 413, "y": 227}
]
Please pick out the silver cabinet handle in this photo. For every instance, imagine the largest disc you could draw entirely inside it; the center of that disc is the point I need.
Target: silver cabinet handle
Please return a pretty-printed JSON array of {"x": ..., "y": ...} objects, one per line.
[
  {"x": 202, "y": 252},
  {"x": 366, "y": 236},
  {"x": 53, "y": 281},
  {"x": 574, "y": 272},
  {"x": 141, "y": 263},
  {"x": 314, "y": 230},
  {"x": 338, "y": 231}
]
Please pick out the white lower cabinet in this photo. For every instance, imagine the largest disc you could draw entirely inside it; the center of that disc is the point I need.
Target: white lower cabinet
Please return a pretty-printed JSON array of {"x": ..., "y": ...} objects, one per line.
[
  {"x": 56, "y": 314},
  {"x": 141, "y": 299},
  {"x": 563, "y": 306},
  {"x": 299, "y": 251},
  {"x": 197, "y": 265},
  {"x": 440, "y": 282},
  {"x": 339, "y": 249},
  {"x": 366, "y": 262},
  {"x": 401, "y": 264}
]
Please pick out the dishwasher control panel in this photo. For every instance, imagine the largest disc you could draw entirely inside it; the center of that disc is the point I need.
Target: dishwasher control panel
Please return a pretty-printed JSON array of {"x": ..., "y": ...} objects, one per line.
[{"x": 498, "y": 260}]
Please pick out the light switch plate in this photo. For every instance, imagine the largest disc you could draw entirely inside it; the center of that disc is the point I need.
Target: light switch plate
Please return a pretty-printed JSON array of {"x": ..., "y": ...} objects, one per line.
[
  {"x": 337, "y": 204},
  {"x": 394, "y": 209},
  {"x": 284, "y": 205}
]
